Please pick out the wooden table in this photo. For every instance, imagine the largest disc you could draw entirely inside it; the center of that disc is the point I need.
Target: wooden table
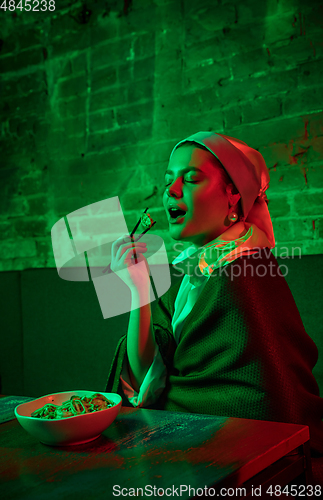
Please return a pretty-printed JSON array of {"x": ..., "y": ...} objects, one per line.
[{"x": 150, "y": 448}]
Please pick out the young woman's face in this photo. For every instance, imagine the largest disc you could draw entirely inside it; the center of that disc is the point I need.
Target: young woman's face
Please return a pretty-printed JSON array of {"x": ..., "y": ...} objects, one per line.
[{"x": 196, "y": 186}]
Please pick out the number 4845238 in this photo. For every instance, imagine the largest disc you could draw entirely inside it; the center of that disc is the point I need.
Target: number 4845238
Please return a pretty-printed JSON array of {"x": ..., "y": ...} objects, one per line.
[
  {"x": 27, "y": 5},
  {"x": 293, "y": 490}
]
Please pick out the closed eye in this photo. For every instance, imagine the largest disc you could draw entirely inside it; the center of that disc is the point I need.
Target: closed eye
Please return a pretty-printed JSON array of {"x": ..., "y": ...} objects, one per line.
[{"x": 189, "y": 182}]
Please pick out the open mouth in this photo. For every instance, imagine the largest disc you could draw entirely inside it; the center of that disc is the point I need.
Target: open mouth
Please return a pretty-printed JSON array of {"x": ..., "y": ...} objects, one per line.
[{"x": 176, "y": 213}]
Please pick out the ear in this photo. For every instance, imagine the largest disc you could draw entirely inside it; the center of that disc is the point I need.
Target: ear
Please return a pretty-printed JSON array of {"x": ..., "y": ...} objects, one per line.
[{"x": 233, "y": 195}]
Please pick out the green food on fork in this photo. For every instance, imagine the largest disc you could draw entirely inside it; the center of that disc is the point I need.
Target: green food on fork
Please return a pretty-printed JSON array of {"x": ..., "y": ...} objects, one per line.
[{"x": 147, "y": 223}]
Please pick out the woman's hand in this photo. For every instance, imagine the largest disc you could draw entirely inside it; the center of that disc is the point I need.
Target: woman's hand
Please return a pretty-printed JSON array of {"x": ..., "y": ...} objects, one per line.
[{"x": 135, "y": 275}]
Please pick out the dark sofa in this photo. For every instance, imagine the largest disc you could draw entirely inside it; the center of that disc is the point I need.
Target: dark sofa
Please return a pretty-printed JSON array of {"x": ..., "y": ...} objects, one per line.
[{"x": 54, "y": 337}]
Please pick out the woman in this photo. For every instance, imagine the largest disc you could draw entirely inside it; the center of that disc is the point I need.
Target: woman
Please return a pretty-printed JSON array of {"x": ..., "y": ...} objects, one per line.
[{"x": 227, "y": 339}]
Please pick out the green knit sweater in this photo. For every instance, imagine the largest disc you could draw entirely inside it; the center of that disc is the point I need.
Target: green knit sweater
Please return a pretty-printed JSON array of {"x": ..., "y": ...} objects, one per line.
[{"x": 243, "y": 350}]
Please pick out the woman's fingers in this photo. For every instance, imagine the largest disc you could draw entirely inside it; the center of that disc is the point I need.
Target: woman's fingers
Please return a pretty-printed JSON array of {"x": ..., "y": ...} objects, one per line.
[
  {"x": 120, "y": 241},
  {"x": 130, "y": 249},
  {"x": 116, "y": 244},
  {"x": 125, "y": 252},
  {"x": 130, "y": 259}
]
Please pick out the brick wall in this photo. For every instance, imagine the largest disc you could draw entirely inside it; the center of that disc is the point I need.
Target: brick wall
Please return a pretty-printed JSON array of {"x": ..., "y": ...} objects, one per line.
[{"x": 95, "y": 95}]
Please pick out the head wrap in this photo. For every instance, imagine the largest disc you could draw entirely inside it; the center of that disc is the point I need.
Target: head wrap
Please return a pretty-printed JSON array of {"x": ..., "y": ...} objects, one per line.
[{"x": 247, "y": 169}]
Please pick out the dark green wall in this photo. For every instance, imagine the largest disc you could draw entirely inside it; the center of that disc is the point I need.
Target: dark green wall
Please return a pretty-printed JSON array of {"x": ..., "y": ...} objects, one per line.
[{"x": 94, "y": 95}]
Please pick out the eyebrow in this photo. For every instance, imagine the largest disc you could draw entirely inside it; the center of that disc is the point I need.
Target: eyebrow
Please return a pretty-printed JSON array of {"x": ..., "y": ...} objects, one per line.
[{"x": 183, "y": 170}]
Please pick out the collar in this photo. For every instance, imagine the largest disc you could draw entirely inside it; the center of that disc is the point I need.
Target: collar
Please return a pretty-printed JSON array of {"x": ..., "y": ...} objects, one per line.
[
  {"x": 186, "y": 254},
  {"x": 240, "y": 239}
]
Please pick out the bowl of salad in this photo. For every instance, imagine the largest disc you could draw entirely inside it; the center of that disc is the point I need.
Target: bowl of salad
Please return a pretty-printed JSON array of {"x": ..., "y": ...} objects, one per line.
[{"x": 69, "y": 418}]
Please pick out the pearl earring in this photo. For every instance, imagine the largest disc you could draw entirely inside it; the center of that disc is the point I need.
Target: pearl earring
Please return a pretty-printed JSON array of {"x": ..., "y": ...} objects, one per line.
[{"x": 233, "y": 217}]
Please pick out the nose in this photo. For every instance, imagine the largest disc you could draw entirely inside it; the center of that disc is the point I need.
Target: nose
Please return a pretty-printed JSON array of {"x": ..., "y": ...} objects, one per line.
[{"x": 175, "y": 189}]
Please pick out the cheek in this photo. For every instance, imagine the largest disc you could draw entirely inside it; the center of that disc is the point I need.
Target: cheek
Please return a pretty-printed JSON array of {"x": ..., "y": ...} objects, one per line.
[
  {"x": 208, "y": 197},
  {"x": 210, "y": 203}
]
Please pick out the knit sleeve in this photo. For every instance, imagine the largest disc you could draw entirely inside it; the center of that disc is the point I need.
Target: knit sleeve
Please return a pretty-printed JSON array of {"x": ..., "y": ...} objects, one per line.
[
  {"x": 244, "y": 352},
  {"x": 277, "y": 342},
  {"x": 152, "y": 385},
  {"x": 162, "y": 321}
]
